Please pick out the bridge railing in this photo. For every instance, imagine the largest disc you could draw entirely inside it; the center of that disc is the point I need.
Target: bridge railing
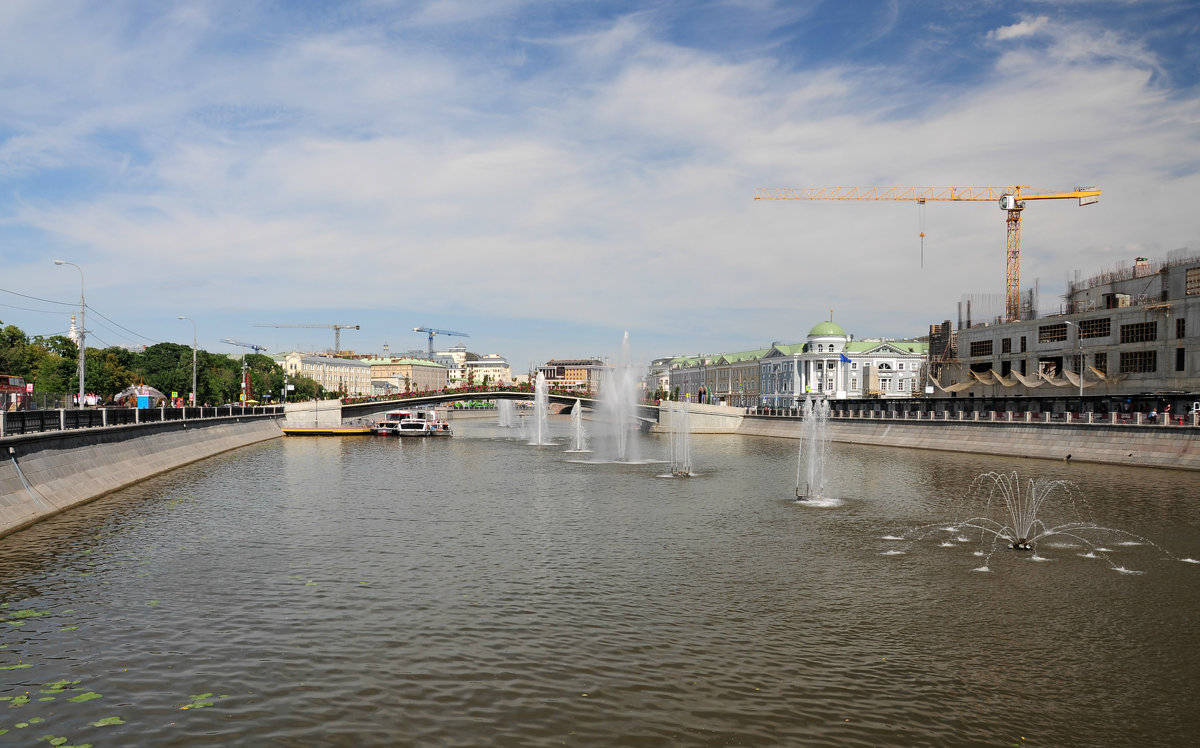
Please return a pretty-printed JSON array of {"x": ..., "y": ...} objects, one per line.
[{"x": 17, "y": 422}]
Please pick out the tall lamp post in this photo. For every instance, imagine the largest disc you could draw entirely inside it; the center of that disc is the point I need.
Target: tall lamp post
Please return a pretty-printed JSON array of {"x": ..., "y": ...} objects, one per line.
[
  {"x": 82, "y": 340},
  {"x": 195, "y": 392},
  {"x": 1079, "y": 343}
]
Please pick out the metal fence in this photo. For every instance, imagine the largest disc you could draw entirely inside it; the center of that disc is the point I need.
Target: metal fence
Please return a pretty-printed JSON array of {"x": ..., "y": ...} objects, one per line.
[{"x": 37, "y": 421}]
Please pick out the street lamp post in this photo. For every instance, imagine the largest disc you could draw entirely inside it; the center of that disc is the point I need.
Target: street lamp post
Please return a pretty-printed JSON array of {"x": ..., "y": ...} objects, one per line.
[
  {"x": 82, "y": 338},
  {"x": 1079, "y": 344},
  {"x": 195, "y": 392}
]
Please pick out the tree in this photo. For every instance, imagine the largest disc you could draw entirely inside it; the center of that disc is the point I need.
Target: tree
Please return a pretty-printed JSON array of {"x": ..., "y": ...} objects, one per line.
[
  {"x": 14, "y": 352},
  {"x": 167, "y": 367}
]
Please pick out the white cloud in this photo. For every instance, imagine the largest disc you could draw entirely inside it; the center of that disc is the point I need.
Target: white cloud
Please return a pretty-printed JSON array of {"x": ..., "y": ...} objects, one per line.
[
  {"x": 609, "y": 186},
  {"x": 1028, "y": 27}
]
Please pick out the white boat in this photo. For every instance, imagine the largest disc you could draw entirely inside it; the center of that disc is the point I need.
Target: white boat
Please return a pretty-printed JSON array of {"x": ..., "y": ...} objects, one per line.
[{"x": 423, "y": 422}]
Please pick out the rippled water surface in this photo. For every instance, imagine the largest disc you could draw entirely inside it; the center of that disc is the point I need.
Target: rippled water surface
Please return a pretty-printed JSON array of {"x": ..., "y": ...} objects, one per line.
[{"x": 481, "y": 591}]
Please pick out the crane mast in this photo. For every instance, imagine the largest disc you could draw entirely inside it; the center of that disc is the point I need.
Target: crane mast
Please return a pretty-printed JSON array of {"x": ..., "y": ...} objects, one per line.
[
  {"x": 1011, "y": 201},
  {"x": 245, "y": 371}
]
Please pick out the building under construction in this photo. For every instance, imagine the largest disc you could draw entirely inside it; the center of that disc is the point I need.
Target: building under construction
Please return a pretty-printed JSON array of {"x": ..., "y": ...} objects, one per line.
[{"x": 1130, "y": 330}]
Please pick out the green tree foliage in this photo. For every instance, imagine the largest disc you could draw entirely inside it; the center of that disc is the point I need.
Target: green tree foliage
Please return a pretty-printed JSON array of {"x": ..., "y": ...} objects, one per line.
[
  {"x": 51, "y": 364},
  {"x": 14, "y": 351}
]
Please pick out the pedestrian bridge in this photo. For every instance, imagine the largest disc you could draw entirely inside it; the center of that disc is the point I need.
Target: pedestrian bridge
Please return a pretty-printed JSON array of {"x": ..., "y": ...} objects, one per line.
[{"x": 327, "y": 413}]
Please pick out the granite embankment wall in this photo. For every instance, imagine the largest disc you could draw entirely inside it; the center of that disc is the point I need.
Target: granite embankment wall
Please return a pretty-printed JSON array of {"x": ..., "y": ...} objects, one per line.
[
  {"x": 1145, "y": 446},
  {"x": 44, "y": 474}
]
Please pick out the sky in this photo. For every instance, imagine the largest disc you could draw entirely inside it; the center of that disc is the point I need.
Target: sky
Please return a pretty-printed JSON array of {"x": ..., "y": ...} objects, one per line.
[{"x": 549, "y": 175}]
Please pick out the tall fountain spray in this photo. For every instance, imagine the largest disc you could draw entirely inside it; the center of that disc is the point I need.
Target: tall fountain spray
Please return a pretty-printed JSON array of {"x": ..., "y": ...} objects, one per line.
[
  {"x": 505, "y": 409},
  {"x": 541, "y": 404},
  {"x": 681, "y": 439},
  {"x": 618, "y": 407},
  {"x": 814, "y": 449},
  {"x": 578, "y": 438}
]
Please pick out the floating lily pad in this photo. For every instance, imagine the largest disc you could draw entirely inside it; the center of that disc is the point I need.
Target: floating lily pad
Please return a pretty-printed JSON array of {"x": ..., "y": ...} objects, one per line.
[
  {"x": 85, "y": 696},
  {"x": 18, "y": 666},
  {"x": 58, "y": 686},
  {"x": 107, "y": 721}
]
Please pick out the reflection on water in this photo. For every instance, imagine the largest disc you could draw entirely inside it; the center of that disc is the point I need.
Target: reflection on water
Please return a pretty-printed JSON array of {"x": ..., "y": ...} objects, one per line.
[{"x": 477, "y": 591}]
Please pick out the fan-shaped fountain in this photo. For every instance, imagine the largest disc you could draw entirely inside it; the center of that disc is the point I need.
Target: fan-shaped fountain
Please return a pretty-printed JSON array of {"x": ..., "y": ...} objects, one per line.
[{"x": 1007, "y": 512}]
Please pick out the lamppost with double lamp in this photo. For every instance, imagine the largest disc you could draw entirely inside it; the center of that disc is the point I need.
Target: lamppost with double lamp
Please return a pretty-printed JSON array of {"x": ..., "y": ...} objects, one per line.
[
  {"x": 1079, "y": 343},
  {"x": 82, "y": 340},
  {"x": 195, "y": 393}
]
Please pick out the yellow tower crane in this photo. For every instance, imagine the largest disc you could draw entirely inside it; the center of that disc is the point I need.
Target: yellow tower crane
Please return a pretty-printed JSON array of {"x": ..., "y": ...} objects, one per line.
[{"x": 1011, "y": 200}]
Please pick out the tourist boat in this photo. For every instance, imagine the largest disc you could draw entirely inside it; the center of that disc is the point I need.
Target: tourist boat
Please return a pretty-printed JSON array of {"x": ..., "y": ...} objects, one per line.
[{"x": 423, "y": 422}]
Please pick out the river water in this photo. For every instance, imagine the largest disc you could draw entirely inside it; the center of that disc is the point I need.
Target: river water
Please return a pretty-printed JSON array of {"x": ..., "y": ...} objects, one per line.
[{"x": 480, "y": 591}]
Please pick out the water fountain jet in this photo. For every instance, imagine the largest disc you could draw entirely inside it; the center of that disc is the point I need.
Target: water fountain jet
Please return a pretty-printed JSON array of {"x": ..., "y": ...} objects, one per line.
[
  {"x": 681, "y": 439},
  {"x": 814, "y": 450}
]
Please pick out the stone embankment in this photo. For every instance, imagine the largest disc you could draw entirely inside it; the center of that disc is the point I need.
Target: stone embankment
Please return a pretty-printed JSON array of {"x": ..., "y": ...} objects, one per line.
[
  {"x": 44, "y": 474},
  {"x": 1162, "y": 446}
]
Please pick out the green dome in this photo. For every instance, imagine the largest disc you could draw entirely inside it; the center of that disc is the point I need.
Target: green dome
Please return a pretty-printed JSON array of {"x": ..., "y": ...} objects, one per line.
[{"x": 827, "y": 330}]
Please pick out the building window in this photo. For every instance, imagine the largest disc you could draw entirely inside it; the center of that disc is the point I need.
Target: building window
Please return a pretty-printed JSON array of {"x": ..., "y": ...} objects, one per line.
[
  {"x": 1022, "y": 344},
  {"x": 900, "y": 366},
  {"x": 854, "y": 366},
  {"x": 980, "y": 348},
  {"x": 1006, "y": 345},
  {"x": 1179, "y": 359},
  {"x": 1193, "y": 281},
  {"x": 1100, "y": 362},
  {"x": 1139, "y": 362},
  {"x": 854, "y": 383},
  {"x": 1181, "y": 328},
  {"x": 1139, "y": 332},
  {"x": 1095, "y": 328},
  {"x": 1052, "y": 333}
]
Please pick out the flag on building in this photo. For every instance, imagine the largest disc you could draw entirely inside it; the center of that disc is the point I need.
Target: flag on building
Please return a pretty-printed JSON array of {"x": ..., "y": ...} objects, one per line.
[{"x": 845, "y": 358}]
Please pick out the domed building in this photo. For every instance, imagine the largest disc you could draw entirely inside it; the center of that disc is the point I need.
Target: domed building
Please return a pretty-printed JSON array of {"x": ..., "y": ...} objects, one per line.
[{"x": 832, "y": 364}]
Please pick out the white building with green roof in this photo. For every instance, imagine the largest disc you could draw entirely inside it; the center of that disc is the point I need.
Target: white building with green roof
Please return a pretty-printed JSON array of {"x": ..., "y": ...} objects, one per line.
[
  {"x": 834, "y": 365},
  {"x": 830, "y": 364}
]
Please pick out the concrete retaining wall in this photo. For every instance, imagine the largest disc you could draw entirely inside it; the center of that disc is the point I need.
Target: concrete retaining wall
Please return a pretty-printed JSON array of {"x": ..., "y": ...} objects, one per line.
[
  {"x": 1146, "y": 446},
  {"x": 702, "y": 419},
  {"x": 43, "y": 474}
]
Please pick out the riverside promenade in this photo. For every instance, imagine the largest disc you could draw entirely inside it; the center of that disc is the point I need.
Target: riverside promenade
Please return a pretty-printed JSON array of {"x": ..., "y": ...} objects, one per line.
[
  {"x": 47, "y": 472},
  {"x": 1115, "y": 438}
]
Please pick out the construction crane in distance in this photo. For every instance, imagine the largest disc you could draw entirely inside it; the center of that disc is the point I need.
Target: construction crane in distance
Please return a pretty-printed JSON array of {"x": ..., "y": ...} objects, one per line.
[
  {"x": 1011, "y": 201},
  {"x": 245, "y": 371},
  {"x": 337, "y": 332},
  {"x": 433, "y": 332}
]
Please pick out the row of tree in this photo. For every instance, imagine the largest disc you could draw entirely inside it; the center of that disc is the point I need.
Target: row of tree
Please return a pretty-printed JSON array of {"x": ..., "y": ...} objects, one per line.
[{"x": 52, "y": 365}]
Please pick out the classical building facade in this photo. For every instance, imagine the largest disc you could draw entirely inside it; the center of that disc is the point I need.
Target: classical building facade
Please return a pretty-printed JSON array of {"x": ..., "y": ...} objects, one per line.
[
  {"x": 345, "y": 375},
  {"x": 573, "y": 374},
  {"x": 408, "y": 374},
  {"x": 491, "y": 368},
  {"x": 1131, "y": 330},
  {"x": 830, "y": 364}
]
